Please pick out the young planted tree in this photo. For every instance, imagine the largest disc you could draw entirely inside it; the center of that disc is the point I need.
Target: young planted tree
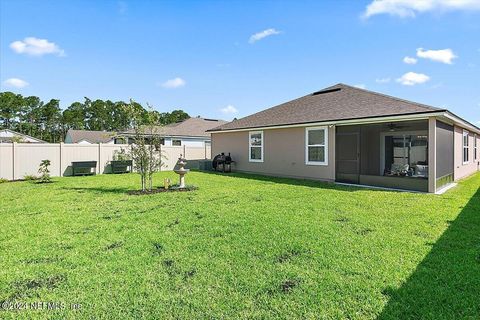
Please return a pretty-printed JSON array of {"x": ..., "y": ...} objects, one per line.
[
  {"x": 146, "y": 151},
  {"x": 44, "y": 172}
]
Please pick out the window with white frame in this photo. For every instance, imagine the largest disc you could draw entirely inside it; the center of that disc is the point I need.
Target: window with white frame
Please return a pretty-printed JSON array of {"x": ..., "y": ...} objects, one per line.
[
  {"x": 475, "y": 138},
  {"x": 176, "y": 142},
  {"x": 466, "y": 147},
  {"x": 316, "y": 146},
  {"x": 255, "y": 146}
]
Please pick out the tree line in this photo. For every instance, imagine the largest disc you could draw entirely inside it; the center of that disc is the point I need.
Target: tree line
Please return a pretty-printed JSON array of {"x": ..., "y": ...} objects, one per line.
[{"x": 47, "y": 121}]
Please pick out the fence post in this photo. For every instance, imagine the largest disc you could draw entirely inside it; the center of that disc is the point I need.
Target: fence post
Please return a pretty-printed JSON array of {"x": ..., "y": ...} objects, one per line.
[
  {"x": 99, "y": 157},
  {"x": 60, "y": 165},
  {"x": 162, "y": 160},
  {"x": 14, "y": 147}
]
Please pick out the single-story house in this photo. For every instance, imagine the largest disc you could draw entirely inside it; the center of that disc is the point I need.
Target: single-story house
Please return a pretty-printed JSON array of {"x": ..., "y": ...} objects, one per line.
[
  {"x": 89, "y": 137},
  {"x": 350, "y": 135},
  {"x": 191, "y": 132},
  {"x": 9, "y": 136}
]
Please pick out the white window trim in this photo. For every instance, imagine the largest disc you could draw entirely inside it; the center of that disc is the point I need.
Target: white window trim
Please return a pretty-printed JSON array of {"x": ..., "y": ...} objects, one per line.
[
  {"x": 250, "y": 133},
  {"x": 465, "y": 134},
  {"x": 316, "y": 163}
]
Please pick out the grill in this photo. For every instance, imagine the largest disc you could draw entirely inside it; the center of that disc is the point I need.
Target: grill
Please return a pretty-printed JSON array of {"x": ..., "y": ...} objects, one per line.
[{"x": 223, "y": 163}]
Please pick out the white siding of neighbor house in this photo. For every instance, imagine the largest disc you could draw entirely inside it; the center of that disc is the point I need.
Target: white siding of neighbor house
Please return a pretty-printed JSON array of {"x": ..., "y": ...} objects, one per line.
[
  {"x": 189, "y": 142},
  {"x": 88, "y": 142}
]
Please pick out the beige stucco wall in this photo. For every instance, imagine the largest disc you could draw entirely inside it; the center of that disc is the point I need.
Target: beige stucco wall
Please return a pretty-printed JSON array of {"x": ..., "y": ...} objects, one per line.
[
  {"x": 284, "y": 153},
  {"x": 463, "y": 170}
]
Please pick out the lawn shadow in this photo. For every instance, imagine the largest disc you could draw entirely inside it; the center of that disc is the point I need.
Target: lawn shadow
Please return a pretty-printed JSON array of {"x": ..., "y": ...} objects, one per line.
[
  {"x": 321, "y": 184},
  {"x": 99, "y": 190},
  {"x": 446, "y": 284}
]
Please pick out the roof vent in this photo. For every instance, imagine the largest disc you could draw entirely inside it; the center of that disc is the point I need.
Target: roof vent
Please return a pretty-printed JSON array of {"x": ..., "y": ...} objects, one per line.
[
  {"x": 210, "y": 119},
  {"x": 326, "y": 91}
]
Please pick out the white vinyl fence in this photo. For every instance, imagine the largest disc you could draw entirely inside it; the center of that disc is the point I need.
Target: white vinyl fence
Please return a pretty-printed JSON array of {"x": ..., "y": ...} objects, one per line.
[{"x": 20, "y": 159}]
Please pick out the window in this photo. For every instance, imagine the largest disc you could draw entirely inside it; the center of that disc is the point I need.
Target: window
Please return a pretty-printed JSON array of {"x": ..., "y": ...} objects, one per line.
[
  {"x": 119, "y": 141},
  {"x": 466, "y": 148},
  {"x": 316, "y": 148},
  {"x": 475, "y": 147},
  {"x": 406, "y": 155},
  {"x": 255, "y": 146},
  {"x": 176, "y": 142},
  {"x": 159, "y": 143}
]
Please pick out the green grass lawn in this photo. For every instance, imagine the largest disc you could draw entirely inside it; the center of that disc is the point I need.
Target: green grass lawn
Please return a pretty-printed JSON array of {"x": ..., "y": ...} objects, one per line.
[{"x": 240, "y": 246}]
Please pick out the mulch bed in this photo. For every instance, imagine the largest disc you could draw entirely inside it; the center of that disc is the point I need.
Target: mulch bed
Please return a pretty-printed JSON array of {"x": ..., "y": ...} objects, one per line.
[{"x": 161, "y": 189}]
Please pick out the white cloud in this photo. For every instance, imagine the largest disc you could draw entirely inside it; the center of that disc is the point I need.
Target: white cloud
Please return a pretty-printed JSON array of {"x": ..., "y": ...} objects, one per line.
[
  {"x": 444, "y": 55},
  {"x": 229, "y": 110},
  {"x": 263, "y": 34},
  {"x": 15, "y": 83},
  {"x": 412, "y": 78},
  {"x": 382, "y": 80},
  {"x": 409, "y": 60},
  {"x": 360, "y": 86},
  {"x": 36, "y": 47},
  {"x": 174, "y": 83},
  {"x": 409, "y": 8}
]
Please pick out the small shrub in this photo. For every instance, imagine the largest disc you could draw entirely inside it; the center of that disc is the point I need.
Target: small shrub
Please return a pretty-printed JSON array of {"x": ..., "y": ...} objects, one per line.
[
  {"x": 30, "y": 177},
  {"x": 121, "y": 155},
  {"x": 44, "y": 172}
]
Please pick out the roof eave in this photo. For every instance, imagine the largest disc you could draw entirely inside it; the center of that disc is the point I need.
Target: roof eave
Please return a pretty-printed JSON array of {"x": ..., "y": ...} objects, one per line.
[
  {"x": 461, "y": 122},
  {"x": 350, "y": 121},
  {"x": 132, "y": 134}
]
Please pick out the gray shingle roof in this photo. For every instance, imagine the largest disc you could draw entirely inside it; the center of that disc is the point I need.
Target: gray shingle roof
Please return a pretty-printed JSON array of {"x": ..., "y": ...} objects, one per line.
[
  {"x": 90, "y": 136},
  {"x": 191, "y": 127},
  {"x": 194, "y": 127},
  {"x": 338, "y": 102}
]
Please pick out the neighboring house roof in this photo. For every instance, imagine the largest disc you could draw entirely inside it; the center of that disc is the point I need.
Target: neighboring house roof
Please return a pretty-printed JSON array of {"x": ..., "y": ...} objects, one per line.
[
  {"x": 191, "y": 127},
  {"x": 77, "y": 136},
  {"x": 338, "y": 102},
  {"x": 9, "y": 136},
  {"x": 194, "y": 127}
]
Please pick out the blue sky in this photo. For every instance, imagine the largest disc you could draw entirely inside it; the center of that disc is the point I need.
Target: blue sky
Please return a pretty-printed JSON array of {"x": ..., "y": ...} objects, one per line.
[{"x": 225, "y": 59}]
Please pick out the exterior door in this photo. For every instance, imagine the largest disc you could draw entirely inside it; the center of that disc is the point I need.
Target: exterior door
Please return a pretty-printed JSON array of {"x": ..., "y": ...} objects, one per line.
[{"x": 347, "y": 157}]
